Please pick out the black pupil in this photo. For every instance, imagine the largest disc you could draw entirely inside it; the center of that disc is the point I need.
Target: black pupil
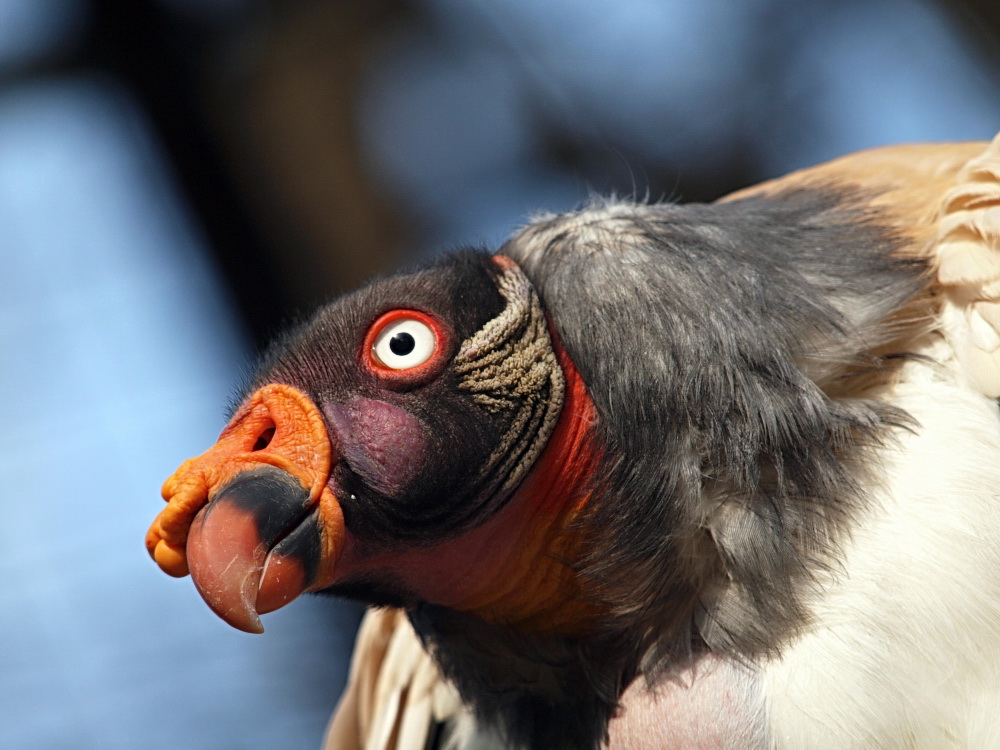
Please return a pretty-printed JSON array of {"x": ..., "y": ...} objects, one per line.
[{"x": 402, "y": 344}]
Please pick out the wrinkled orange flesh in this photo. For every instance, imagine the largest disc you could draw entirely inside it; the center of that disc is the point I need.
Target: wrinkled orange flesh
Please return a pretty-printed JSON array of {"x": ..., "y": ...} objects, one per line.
[{"x": 277, "y": 426}]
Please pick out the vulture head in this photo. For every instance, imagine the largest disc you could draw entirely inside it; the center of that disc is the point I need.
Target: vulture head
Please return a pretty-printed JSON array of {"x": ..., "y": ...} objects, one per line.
[{"x": 405, "y": 445}]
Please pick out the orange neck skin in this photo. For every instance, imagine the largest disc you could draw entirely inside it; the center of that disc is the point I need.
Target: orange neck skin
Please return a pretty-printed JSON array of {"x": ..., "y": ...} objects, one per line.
[{"x": 514, "y": 569}]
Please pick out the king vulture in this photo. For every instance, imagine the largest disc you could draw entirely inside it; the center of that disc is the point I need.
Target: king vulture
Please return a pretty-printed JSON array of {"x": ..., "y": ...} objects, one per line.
[{"x": 651, "y": 476}]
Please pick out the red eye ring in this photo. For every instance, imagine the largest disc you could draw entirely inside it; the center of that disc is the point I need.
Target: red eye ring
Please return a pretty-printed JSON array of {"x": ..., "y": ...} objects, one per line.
[{"x": 442, "y": 339}]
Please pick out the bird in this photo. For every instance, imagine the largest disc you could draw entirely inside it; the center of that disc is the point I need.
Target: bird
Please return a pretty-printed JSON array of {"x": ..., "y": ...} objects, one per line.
[{"x": 649, "y": 475}]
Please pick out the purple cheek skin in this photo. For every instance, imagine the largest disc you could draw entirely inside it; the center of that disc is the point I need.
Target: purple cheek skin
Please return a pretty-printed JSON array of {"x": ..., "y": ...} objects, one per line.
[{"x": 383, "y": 443}]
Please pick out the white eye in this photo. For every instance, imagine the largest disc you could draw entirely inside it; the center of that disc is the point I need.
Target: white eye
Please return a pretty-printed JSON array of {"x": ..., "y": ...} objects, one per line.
[{"x": 404, "y": 343}]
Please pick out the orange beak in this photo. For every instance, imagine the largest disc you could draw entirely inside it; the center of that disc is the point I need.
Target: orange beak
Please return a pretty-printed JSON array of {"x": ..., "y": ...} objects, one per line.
[{"x": 252, "y": 518}]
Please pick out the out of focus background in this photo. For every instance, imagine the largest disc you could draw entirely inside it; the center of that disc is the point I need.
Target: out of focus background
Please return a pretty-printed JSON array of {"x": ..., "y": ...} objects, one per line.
[{"x": 180, "y": 177}]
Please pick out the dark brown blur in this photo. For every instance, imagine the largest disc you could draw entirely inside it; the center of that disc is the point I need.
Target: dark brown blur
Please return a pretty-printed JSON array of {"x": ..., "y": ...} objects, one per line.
[{"x": 260, "y": 110}]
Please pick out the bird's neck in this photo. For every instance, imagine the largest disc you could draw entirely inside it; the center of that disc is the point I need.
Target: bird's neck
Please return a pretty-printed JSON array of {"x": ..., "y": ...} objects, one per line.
[
  {"x": 529, "y": 551},
  {"x": 517, "y": 568}
]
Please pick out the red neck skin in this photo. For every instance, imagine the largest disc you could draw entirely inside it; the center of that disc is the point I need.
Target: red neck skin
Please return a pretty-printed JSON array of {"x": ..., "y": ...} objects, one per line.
[{"x": 515, "y": 568}]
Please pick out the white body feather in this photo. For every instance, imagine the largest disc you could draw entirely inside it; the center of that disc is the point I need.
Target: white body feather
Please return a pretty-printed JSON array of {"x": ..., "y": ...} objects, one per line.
[{"x": 906, "y": 649}]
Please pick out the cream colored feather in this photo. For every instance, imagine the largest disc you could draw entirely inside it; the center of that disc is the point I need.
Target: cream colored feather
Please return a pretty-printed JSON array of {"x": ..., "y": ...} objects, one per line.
[
  {"x": 395, "y": 694},
  {"x": 968, "y": 249}
]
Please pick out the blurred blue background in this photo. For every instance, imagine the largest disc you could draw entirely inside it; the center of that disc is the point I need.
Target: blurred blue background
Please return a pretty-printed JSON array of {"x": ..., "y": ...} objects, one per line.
[{"x": 180, "y": 177}]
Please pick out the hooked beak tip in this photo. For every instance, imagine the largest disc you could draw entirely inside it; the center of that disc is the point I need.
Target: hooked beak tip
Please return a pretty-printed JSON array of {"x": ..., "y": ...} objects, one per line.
[
  {"x": 226, "y": 558},
  {"x": 255, "y": 547}
]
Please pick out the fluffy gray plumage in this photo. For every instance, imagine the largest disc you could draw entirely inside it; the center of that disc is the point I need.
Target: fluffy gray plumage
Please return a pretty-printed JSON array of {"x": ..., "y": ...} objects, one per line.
[{"x": 713, "y": 340}]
